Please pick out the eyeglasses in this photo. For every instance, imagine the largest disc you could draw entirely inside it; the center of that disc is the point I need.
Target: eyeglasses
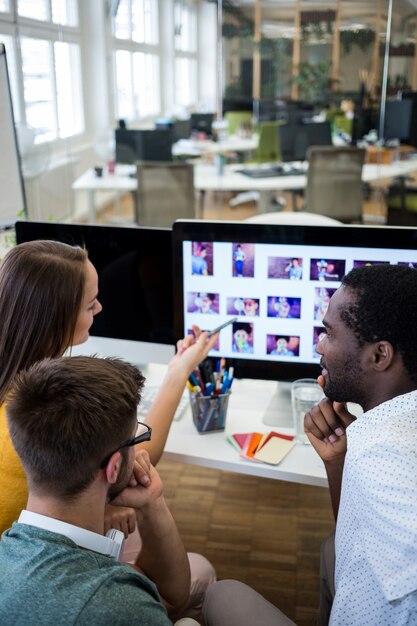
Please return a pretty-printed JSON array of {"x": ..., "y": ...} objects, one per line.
[{"x": 143, "y": 433}]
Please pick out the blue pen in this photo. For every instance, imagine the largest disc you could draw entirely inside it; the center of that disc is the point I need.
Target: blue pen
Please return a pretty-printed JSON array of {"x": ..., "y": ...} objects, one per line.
[
  {"x": 230, "y": 383},
  {"x": 209, "y": 389},
  {"x": 194, "y": 380},
  {"x": 225, "y": 383}
]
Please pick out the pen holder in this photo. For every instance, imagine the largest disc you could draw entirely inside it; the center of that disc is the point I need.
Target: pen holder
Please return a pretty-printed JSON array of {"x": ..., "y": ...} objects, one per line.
[{"x": 209, "y": 412}]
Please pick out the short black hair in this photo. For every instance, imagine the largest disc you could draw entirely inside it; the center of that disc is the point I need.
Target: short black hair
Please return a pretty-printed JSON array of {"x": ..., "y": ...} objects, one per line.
[
  {"x": 384, "y": 308},
  {"x": 242, "y": 326}
]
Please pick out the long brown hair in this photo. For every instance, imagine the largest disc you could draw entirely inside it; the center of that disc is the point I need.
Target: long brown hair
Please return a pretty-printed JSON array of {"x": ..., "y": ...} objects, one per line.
[{"x": 41, "y": 290}]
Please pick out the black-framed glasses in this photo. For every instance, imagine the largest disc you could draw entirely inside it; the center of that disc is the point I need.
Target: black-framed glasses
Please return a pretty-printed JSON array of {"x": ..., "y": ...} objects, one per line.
[{"x": 143, "y": 433}]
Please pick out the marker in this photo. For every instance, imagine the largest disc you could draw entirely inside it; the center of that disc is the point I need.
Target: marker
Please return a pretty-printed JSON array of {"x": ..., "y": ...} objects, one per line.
[
  {"x": 219, "y": 328},
  {"x": 225, "y": 383}
]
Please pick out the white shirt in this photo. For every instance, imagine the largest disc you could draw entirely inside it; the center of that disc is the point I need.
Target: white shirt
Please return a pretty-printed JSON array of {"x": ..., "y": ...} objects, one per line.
[{"x": 376, "y": 533}]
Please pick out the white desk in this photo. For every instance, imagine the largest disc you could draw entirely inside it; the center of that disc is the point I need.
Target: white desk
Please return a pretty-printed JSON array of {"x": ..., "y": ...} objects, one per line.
[
  {"x": 247, "y": 406},
  {"x": 122, "y": 181},
  {"x": 207, "y": 177},
  {"x": 201, "y": 147}
]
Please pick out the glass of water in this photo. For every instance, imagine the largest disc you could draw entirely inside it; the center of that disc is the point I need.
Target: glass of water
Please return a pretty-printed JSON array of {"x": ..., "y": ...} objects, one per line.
[{"x": 305, "y": 393}]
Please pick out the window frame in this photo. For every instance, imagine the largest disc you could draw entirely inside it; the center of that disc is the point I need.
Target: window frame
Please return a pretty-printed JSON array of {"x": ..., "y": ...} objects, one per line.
[
  {"x": 18, "y": 27},
  {"x": 132, "y": 47}
]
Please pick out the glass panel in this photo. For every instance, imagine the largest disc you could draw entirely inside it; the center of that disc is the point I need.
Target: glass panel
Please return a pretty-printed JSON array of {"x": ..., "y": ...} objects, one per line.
[
  {"x": 122, "y": 20},
  {"x": 146, "y": 84},
  {"x": 7, "y": 40},
  {"x": 35, "y": 9},
  {"x": 145, "y": 21},
  {"x": 124, "y": 91},
  {"x": 185, "y": 28},
  {"x": 185, "y": 81},
  {"x": 65, "y": 12},
  {"x": 5, "y": 5},
  {"x": 68, "y": 85},
  {"x": 38, "y": 76}
]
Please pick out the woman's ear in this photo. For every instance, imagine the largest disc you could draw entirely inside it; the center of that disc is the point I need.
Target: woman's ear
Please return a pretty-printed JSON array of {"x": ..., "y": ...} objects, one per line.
[
  {"x": 383, "y": 355},
  {"x": 112, "y": 468}
]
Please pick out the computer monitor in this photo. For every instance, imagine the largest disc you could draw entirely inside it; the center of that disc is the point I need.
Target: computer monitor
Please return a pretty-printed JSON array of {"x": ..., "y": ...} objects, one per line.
[
  {"x": 412, "y": 96},
  {"x": 182, "y": 129},
  {"x": 397, "y": 121},
  {"x": 143, "y": 145},
  {"x": 277, "y": 280},
  {"x": 134, "y": 268},
  {"x": 201, "y": 122},
  {"x": 295, "y": 139}
]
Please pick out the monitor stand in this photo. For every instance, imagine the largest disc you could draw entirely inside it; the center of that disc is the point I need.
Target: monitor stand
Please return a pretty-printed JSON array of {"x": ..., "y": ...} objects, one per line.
[{"x": 279, "y": 411}]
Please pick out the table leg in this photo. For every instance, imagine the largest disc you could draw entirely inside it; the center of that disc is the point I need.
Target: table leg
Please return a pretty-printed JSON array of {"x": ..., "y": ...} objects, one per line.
[
  {"x": 91, "y": 207},
  {"x": 264, "y": 203}
]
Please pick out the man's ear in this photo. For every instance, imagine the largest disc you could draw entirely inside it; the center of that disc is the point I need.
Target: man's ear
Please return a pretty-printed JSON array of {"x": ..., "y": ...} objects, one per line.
[
  {"x": 383, "y": 355},
  {"x": 112, "y": 468}
]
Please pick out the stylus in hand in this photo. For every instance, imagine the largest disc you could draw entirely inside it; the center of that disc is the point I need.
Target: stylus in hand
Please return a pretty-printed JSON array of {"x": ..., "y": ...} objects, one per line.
[{"x": 219, "y": 328}]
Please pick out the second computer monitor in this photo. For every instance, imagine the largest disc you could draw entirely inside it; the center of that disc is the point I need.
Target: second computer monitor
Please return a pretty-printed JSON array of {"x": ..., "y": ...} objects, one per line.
[
  {"x": 397, "y": 122},
  {"x": 295, "y": 139},
  {"x": 143, "y": 145},
  {"x": 201, "y": 122}
]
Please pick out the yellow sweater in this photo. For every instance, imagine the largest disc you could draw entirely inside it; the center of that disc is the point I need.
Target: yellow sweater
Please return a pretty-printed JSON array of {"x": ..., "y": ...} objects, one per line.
[{"x": 13, "y": 483}]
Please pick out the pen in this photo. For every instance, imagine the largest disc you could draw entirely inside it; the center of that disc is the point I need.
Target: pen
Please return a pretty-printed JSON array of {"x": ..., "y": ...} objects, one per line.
[
  {"x": 225, "y": 383},
  {"x": 194, "y": 380}
]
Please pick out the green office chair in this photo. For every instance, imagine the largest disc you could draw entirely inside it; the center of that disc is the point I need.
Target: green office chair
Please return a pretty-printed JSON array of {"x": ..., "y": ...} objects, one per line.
[
  {"x": 235, "y": 119},
  {"x": 268, "y": 149},
  {"x": 344, "y": 124}
]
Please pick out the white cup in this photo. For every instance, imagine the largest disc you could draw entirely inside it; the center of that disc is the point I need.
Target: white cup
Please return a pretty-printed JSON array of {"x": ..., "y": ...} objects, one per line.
[{"x": 305, "y": 393}]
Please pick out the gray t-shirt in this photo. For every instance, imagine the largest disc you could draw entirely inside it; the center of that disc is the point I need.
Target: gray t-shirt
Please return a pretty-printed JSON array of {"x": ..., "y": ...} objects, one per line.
[{"x": 45, "y": 578}]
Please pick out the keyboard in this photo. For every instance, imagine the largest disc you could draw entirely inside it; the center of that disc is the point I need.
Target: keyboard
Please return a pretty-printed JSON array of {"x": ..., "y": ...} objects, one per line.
[
  {"x": 149, "y": 395},
  {"x": 270, "y": 172}
]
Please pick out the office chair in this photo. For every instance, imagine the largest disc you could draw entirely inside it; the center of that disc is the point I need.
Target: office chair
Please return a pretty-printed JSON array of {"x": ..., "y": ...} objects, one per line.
[
  {"x": 268, "y": 151},
  {"x": 165, "y": 193},
  {"x": 235, "y": 119},
  {"x": 334, "y": 182},
  {"x": 401, "y": 202}
]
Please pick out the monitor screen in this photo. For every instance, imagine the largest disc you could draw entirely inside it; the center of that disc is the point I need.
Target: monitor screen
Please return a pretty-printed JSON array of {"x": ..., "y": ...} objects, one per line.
[
  {"x": 201, "y": 122},
  {"x": 134, "y": 267},
  {"x": 397, "y": 121},
  {"x": 143, "y": 145},
  {"x": 295, "y": 139},
  {"x": 277, "y": 280}
]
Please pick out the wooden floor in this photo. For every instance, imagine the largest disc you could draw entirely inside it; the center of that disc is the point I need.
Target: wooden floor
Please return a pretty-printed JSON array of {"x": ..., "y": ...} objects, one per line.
[{"x": 264, "y": 532}]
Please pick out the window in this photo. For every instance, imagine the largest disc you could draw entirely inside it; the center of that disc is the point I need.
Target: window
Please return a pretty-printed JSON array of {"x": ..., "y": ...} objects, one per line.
[
  {"x": 56, "y": 11},
  {"x": 185, "y": 52},
  {"x": 185, "y": 26},
  {"x": 45, "y": 69},
  {"x": 185, "y": 81},
  {"x": 137, "y": 59}
]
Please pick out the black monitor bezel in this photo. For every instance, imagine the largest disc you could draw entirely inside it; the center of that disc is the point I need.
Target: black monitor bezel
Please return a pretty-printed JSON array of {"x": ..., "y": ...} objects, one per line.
[
  {"x": 335, "y": 236},
  {"x": 81, "y": 234}
]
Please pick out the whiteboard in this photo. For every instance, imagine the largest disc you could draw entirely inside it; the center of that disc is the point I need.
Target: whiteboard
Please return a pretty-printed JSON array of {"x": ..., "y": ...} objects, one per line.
[{"x": 12, "y": 195}]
